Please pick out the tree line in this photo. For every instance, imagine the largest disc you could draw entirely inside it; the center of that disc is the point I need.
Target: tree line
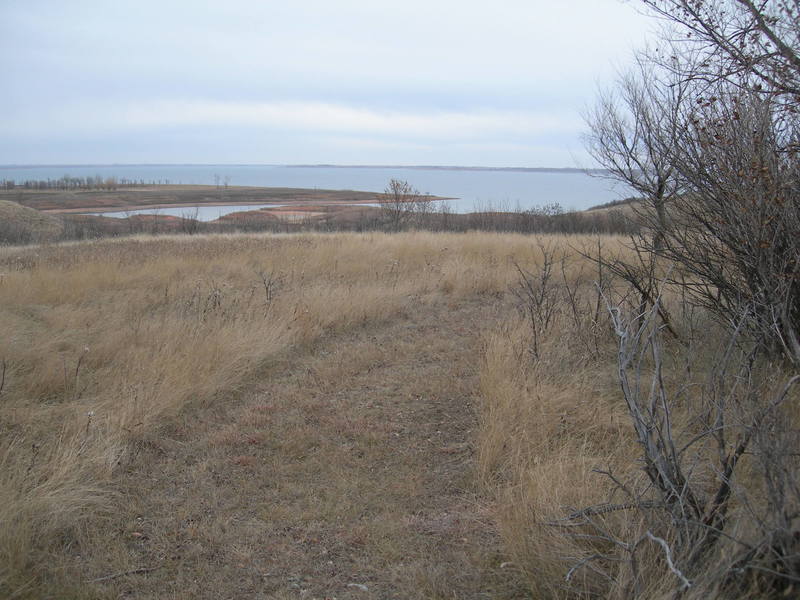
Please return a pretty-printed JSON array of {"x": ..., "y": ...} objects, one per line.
[{"x": 68, "y": 182}]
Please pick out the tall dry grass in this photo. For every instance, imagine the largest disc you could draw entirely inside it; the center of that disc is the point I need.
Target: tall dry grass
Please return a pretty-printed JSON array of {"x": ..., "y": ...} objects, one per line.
[
  {"x": 545, "y": 425},
  {"x": 550, "y": 414},
  {"x": 104, "y": 342},
  {"x": 558, "y": 452}
]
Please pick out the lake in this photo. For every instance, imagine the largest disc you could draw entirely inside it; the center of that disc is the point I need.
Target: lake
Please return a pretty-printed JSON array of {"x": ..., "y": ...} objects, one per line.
[{"x": 473, "y": 189}]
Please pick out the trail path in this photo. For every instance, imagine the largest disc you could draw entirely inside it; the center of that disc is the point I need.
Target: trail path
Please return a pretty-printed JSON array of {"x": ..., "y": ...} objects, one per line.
[{"x": 348, "y": 473}]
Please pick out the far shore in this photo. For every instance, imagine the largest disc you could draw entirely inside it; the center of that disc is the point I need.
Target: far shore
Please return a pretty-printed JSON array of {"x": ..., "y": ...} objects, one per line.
[
  {"x": 176, "y": 196},
  {"x": 298, "y": 205}
]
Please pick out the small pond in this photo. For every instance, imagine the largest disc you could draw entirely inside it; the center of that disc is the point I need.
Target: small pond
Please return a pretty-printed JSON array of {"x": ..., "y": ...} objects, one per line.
[{"x": 201, "y": 213}]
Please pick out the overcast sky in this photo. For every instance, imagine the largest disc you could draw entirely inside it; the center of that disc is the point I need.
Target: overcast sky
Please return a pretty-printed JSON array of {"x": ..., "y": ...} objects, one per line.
[{"x": 410, "y": 82}]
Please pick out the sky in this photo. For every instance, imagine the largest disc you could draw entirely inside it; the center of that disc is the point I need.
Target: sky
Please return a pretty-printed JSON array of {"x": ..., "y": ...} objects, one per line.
[{"x": 412, "y": 82}]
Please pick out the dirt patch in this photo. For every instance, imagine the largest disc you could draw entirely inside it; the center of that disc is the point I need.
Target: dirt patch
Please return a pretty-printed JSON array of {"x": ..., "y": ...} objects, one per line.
[{"x": 348, "y": 473}]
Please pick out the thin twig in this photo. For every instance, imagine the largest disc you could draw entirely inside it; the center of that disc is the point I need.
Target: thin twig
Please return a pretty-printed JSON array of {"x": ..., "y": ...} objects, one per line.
[
  {"x": 581, "y": 563},
  {"x": 602, "y": 509},
  {"x": 685, "y": 583},
  {"x": 123, "y": 573}
]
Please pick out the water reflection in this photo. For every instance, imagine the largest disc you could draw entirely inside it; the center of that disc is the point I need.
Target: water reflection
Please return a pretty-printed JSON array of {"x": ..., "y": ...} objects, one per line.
[{"x": 200, "y": 213}]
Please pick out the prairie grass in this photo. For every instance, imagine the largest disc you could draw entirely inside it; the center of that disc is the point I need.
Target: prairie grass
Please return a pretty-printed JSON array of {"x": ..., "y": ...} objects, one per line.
[
  {"x": 558, "y": 452},
  {"x": 108, "y": 346},
  {"x": 20, "y": 224},
  {"x": 545, "y": 425},
  {"x": 105, "y": 343}
]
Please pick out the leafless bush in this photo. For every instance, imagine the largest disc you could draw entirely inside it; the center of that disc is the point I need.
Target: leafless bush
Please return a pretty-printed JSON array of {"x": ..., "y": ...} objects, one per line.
[
  {"x": 401, "y": 203},
  {"x": 554, "y": 291},
  {"x": 714, "y": 128},
  {"x": 739, "y": 226},
  {"x": 729, "y": 38},
  {"x": 641, "y": 268},
  {"x": 633, "y": 131},
  {"x": 270, "y": 281},
  {"x": 715, "y": 510},
  {"x": 732, "y": 234},
  {"x": 538, "y": 297},
  {"x": 189, "y": 221}
]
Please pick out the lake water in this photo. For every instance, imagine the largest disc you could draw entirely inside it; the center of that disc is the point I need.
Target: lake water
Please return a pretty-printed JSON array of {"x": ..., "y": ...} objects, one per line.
[
  {"x": 473, "y": 189},
  {"x": 201, "y": 213}
]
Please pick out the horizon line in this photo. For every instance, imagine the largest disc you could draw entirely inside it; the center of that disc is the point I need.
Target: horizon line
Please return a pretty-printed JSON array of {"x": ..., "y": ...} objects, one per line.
[{"x": 298, "y": 165}]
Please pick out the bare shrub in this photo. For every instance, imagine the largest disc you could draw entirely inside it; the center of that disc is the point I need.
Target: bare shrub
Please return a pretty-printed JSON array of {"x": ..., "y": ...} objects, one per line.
[
  {"x": 401, "y": 203},
  {"x": 687, "y": 488},
  {"x": 738, "y": 230},
  {"x": 728, "y": 38},
  {"x": 716, "y": 127},
  {"x": 633, "y": 131},
  {"x": 714, "y": 508},
  {"x": 190, "y": 223},
  {"x": 538, "y": 297},
  {"x": 564, "y": 290}
]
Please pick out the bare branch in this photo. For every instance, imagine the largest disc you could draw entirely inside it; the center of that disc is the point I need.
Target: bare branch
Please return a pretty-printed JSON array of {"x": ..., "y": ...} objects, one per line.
[{"x": 685, "y": 583}]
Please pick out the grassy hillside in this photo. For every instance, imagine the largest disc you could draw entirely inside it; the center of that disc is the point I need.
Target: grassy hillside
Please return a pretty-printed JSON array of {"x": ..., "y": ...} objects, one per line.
[
  {"x": 351, "y": 415},
  {"x": 21, "y": 225},
  {"x": 108, "y": 343}
]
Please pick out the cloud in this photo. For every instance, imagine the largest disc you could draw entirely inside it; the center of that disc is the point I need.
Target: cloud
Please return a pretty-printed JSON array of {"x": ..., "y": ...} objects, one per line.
[
  {"x": 295, "y": 116},
  {"x": 153, "y": 80}
]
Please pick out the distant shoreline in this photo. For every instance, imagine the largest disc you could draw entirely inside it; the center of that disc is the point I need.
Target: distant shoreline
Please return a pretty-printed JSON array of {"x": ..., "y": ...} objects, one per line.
[
  {"x": 315, "y": 166},
  {"x": 178, "y": 196}
]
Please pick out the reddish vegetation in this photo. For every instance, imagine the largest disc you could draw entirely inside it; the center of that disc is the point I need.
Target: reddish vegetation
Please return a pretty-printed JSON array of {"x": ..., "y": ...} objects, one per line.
[
  {"x": 172, "y": 196},
  {"x": 338, "y": 206}
]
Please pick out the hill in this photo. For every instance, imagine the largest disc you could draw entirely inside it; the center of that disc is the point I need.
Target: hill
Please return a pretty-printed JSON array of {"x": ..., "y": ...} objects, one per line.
[
  {"x": 21, "y": 224},
  {"x": 410, "y": 415}
]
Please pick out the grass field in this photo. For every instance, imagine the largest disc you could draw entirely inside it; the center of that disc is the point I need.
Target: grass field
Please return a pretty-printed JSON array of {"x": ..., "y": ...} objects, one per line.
[
  {"x": 302, "y": 358},
  {"x": 339, "y": 415}
]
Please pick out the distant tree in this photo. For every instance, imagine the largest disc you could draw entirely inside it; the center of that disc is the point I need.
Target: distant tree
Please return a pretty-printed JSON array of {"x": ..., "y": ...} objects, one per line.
[
  {"x": 400, "y": 203},
  {"x": 190, "y": 222}
]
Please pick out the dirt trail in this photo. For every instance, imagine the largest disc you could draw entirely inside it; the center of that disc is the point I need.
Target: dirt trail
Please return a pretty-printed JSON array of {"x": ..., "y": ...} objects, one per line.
[{"x": 346, "y": 474}]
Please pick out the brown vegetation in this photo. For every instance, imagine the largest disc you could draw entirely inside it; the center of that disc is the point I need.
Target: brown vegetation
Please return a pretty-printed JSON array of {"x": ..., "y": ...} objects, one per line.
[
  {"x": 301, "y": 210},
  {"x": 291, "y": 415},
  {"x": 364, "y": 415},
  {"x": 23, "y": 225},
  {"x": 673, "y": 473},
  {"x": 164, "y": 196},
  {"x": 107, "y": 344}
]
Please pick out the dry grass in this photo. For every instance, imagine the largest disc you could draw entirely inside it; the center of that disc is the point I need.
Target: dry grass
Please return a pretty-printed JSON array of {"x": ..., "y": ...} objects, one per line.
[
  {"x": 107, "y": 343},
  {"x": 548, "y": 419},
  {"x": 20, "y": 224},
  {"x": 346, "y": 466},
  {"x": 554, "y": 425},
  {"x": 545, "y": 426},
  {"x": 308, "y": 414}
]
